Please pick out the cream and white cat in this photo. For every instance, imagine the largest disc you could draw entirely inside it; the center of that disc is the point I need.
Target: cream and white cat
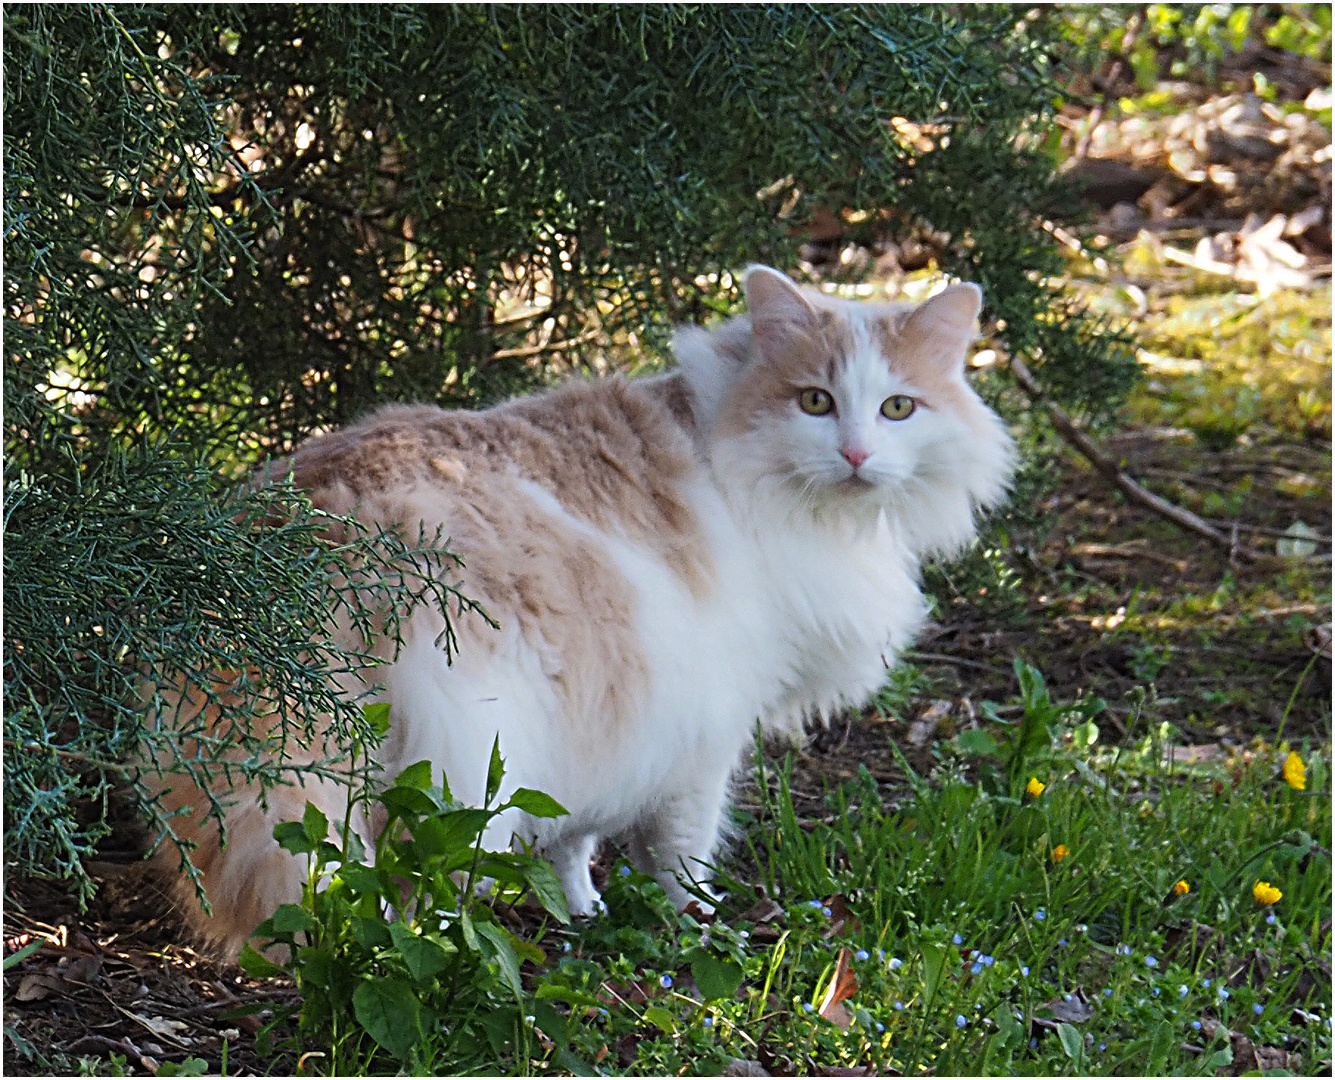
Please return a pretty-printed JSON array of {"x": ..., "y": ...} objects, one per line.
[{"x": 670, "y": 559}]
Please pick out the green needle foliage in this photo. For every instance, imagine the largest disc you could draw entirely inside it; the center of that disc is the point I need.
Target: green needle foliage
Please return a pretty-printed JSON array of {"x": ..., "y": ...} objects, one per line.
[{"x": 227, "y": 227}]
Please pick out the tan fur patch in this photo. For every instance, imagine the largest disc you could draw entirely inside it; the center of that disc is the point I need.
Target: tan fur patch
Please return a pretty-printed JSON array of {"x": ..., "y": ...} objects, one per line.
[{"x": 612, "y": 453}]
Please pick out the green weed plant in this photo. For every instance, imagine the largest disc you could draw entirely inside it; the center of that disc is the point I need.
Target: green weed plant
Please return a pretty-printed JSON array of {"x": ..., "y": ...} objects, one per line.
[{"x": 1041, "y": 903}]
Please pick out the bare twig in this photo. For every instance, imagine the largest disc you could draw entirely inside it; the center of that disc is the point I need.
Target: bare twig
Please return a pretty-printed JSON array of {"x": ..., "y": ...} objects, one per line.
[{"x": 1071, "y": 432}]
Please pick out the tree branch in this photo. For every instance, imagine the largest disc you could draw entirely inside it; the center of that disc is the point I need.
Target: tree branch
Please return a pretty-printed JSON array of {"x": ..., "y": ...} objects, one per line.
[{"x": 1071, "y": 432}]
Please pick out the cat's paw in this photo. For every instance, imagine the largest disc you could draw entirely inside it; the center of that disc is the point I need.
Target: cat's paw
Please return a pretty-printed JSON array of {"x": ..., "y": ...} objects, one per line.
[{"x": 588, "y": 907}]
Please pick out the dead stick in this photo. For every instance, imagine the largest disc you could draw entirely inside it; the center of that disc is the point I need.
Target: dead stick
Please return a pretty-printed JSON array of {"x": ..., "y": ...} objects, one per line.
[{"x": 1069, "y": 431}]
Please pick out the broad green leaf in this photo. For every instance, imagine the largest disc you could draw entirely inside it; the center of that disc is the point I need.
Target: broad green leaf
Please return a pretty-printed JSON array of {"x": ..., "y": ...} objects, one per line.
[
  {"x": 291, "y": 918},
  {"x": 573, "y": 1064},
  {"x": 408, "y": 802},
  {"x": 292, "y": 836},
  {"x": 976, "y": 742},
  {"x": 257, "y": 966},
  {"x": 1072, "y": 1041},
  {"x": 551, "y": 1023},
  {"x": 656, "y": 1014},
  {"x": 314, "y": 964},
  {"x": 716, "y": 976},
  {"x": 423, "y": 957},
  {"x": 544, "y": 884},
  {"x": 537, "y": 803},
  {"x": 416, "y": 775},
  {"x": 376, "y": 716},
  {"x": 449, "y": 832},
  {"x": 359, "y": 877},
  {"x": 495, "y": 771},
  {"x": 934, "y": 962},
  {"x": 314, "y": 824},
  {"x": 388, "y": 1009},
  {"x": 370, "y": 933},
  {"x": 504, "y": 954}
]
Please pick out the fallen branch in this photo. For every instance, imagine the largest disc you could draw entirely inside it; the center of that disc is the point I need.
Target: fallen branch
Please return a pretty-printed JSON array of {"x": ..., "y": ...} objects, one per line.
[{"x": 1071, "y": 432}]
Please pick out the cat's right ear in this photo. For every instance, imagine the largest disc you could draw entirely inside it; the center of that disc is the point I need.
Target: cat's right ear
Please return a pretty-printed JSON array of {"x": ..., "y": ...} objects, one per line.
[{"x": 777, "y": 307}]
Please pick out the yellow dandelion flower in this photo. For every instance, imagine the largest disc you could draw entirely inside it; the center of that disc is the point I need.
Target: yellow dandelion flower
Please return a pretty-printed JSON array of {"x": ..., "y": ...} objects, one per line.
[
  {"x": 1060, "y": 852},
  {"x": 1181, "y": 888},
  {"x": 1035, "y": 787},
  {"x": 1265, "y": 893},
  {"x": 1295, "y": 772}
]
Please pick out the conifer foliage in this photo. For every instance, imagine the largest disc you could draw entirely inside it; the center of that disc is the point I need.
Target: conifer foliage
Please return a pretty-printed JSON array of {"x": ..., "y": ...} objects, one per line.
[{"x": 229, "y": 226}]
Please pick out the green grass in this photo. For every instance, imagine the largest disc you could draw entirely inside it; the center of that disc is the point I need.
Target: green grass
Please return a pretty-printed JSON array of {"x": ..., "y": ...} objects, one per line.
[{"x": 973, "y": 948}]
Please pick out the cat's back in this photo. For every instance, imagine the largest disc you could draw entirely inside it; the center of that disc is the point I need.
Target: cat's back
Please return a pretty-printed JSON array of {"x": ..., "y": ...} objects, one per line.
[{"x": 609, "y": 456}]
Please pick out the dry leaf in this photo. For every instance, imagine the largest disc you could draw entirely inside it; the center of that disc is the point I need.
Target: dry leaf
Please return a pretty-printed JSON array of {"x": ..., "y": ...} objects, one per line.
[
  {"x": 923, "y": 728},
  {"x": 35, "y": 987},
  {"x": 842, "y": 920},
  {"x": 843, "y": 985}
]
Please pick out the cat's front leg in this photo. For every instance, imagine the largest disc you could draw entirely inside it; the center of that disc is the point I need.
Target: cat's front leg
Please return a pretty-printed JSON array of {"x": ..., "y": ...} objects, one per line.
[
  {"x": 677, "y": 840},
  {"x": 570, "y": 858}
]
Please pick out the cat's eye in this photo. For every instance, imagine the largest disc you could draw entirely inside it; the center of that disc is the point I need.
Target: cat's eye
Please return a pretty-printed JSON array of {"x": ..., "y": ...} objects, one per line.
[
  {"x": 814, "y": 401},
  {"x": 898, "y": 407}
]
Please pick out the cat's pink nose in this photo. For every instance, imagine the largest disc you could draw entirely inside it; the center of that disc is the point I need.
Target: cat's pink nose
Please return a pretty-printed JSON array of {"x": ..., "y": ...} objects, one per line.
[{"x": 854, "y": 455}]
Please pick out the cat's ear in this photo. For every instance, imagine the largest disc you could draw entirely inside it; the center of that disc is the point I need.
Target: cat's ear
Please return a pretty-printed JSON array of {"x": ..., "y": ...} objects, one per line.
[
  {"x": 943, "y": 325},
  {"x": 777, "y": 307}
]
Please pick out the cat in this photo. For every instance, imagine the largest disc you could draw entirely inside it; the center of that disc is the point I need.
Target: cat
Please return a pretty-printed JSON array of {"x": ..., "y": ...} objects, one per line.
[{"x": 670, "y": 559}]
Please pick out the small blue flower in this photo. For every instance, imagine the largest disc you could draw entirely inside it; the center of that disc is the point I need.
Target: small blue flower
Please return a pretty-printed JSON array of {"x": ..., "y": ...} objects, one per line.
[
  {"x": 743, "y": 934},
  {"x": 565, "y": 946},
  {"x": 861, "y": 954},
  {"x": 1258, "y": 1008},
  {"x": 1182, "y": 991},
  {"x": 896, "y": 963},
  {"x": 1223, "y": 993},
  {"x": 602, "y": 1011},
  {"x": 709, "y": 1021},
  {"x": 1102, "y": 1047},
  {"x": 826, "y": 912},
  {"x": 1107, "y": 991},
  {"x": 957, "y": 940},
  {"x": 815, "y": 904},
  {"x": 1196, "y": 1025},
  {"x": 973, "y": 954},
  {"x": 665, "y": 981},
  {"x": 880, "y": 955},
  {"x": 1033, "y": 1043},
  {"x": 1125, "y": 950},
  {"x": 1271, "y": 919},
  {"x": 1068, "y": 997},
  {"x": 1024, "y": 970},
  {"x": 808, "y": 1007},
  {"x": 899, "y": 1006},
  {"x": 959, "y": 1020},
  {"x": 704, "y": 937},
  {"x": 624, "y": 871},
  {"x": 1155, "y": 991},
  {"x": 1205, "y": 983},
  {"x": 976, "y": 968},
  {"x": 1040, "y": 914},
  {"x": 1062, "y": 941},
  {"x": 988, "y": 961},
  {"x": 880, "y": 1026},
  {"x": 1150, "y": 962}
]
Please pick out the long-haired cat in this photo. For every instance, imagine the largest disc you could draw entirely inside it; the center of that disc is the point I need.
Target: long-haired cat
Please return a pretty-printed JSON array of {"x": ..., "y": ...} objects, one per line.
[{"x": 669, "y": 559}]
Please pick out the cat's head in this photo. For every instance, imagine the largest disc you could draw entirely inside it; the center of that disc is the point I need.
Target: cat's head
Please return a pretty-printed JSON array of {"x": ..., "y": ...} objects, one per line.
[{"x": 842, "y": 409}]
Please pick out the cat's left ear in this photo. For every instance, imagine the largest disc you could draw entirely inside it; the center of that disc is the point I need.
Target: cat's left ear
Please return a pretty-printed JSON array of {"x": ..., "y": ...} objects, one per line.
[
  {"x": 777, "y": 307},
  {"x": 944, "y": 324}
]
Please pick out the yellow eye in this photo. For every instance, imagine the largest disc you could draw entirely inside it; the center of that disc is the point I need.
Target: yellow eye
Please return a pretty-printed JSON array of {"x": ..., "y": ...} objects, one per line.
[
  {"x": 814, "y": 401},
  {"x": 898, "y": 407}
]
